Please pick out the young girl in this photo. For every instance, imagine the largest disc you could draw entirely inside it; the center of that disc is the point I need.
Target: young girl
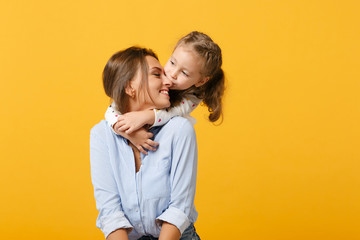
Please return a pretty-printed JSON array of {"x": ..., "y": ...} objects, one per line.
[{"x": 194, "y": 69}]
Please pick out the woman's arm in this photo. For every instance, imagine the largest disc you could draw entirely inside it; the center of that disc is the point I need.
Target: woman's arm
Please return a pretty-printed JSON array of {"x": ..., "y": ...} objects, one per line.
[
  {"x": 169, "y": 232},
  {"x": 119, "y": 234},
  {"x": 182, "y": 176},
  {"x": 108, "y": 202}
]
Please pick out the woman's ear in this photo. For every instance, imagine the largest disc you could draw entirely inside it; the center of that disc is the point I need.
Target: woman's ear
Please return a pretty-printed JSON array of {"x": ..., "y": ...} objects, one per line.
[
  {"x": 202, "y": 82},
  {"x": 130, "y": 91}
]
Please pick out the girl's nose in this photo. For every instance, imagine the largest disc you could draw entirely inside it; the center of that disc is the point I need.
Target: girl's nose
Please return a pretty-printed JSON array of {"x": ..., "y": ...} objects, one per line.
[{"x": 173, "y": 75}]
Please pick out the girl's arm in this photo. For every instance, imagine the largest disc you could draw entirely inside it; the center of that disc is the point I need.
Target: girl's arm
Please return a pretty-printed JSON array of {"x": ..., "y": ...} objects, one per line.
[
  {"x": 186, "y": 106},
  {"x": 130, "y": 122},
  {"x": 111, "y": 115},
  {"x": 140, "y": 138}
]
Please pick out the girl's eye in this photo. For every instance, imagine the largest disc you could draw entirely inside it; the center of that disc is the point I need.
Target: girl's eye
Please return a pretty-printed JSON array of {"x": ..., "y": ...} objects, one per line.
[
  {"x": 157, "y": 74},
  {"x": 172, "y": 63},
  {"x": 185, "y": 73}
]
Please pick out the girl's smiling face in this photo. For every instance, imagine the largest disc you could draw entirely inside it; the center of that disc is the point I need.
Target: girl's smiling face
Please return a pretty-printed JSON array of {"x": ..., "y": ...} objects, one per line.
[{"x": 184, "y": 68}]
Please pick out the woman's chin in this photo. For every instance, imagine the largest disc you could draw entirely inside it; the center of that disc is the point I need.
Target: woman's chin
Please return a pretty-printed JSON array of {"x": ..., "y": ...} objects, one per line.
[{"x": 164, "y": 105}]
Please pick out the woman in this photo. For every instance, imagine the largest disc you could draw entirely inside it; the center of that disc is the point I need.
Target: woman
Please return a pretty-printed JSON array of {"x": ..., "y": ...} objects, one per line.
[{"x": 143, "y": 196}]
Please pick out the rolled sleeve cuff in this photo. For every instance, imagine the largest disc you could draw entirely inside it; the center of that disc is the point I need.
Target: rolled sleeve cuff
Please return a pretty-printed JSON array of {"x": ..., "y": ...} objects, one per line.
[
  {"x": 176, "y": 217},
  {"x": 110, "y": 117},
  {"x": 111, "y": 121},
  {"x": 157, "y": 122},
  {"x": 110, "y": 223}
]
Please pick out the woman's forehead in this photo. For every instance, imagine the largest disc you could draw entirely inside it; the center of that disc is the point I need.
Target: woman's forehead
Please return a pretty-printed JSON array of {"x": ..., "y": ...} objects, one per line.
[{"x": 153, "y": 62}]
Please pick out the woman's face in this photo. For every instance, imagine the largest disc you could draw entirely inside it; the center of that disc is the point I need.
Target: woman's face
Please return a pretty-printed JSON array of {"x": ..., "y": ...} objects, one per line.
[{"x": 157, "y": 95}]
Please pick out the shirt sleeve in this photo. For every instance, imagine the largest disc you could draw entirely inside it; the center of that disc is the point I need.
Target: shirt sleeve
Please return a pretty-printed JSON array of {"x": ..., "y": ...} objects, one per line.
[
  {"x": 182, "y": 178},
  {"x": 186, "y": 106},
  {"x": 108, "y": 202},
  {"x": 111, "y": 116}
]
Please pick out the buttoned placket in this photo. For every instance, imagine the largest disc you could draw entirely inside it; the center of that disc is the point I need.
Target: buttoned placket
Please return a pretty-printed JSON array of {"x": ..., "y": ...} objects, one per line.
[
  {"x": 138, "y": 180},
  {"x": 137, "y": 191}
]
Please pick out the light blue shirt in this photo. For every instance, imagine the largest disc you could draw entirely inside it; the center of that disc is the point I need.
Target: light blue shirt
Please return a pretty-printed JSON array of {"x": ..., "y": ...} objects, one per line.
[{"x": 162, "y": 190}]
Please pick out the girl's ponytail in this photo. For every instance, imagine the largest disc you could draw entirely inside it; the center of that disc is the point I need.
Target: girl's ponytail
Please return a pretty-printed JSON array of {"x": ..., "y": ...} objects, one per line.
[{"x": 212, "y": 93}]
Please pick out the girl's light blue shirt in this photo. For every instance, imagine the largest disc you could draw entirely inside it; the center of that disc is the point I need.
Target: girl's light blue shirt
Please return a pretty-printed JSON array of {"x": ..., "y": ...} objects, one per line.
[{"x": 162, "y": 190}]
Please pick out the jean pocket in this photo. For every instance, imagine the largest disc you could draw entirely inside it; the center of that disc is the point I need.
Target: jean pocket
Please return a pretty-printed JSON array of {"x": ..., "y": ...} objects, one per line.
[{"x": 190, "y": 234}]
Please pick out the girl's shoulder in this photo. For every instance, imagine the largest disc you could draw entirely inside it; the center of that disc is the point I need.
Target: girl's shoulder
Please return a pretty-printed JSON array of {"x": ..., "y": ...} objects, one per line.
[{"x": 192, "y": 97}]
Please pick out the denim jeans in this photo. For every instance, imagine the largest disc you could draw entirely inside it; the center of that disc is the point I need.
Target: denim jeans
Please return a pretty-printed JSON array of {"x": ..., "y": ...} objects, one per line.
[{"x": 188, "y": 234}]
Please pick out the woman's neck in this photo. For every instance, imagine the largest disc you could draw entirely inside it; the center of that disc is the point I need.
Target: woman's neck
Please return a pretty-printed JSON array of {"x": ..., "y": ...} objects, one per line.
[{"x": 136, "y": 105}]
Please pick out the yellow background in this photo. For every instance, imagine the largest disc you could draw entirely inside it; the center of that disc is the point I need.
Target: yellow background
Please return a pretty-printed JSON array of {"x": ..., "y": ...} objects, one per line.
[{"x": 283, "y": 165}]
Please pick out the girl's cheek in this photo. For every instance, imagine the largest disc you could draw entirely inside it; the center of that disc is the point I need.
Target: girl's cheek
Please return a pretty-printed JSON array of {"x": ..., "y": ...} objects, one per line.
[{"x": 166, "y": 67}]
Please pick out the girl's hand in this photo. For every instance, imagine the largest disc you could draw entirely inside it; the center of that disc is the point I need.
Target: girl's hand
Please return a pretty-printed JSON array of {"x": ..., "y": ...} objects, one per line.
[
  {"x": 132, "y": 121},
  {"x": 141, "y": 140}
]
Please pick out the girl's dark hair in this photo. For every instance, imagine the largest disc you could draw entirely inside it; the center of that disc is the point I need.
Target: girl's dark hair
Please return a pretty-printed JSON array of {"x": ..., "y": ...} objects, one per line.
[
  {"x": 212, "y": 91},
  {"x": 121, "y": 68}
]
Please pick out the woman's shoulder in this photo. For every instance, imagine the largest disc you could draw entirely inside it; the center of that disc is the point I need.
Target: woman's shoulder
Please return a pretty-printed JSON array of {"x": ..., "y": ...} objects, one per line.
[
  {"x": 100, "y": 129},
  {"x": 180, "y": 125}
]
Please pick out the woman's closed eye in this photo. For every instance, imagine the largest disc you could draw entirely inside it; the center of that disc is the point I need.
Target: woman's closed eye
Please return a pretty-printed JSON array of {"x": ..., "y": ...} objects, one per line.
[{"x": 156, "y": 72}]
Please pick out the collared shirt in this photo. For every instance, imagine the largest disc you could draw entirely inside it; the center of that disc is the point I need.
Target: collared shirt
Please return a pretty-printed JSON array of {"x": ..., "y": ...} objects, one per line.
[{"x": 162, "y": 190}]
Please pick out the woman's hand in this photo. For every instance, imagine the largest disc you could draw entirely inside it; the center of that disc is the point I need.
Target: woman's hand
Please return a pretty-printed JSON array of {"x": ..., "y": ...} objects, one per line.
[
  {"x": 132, "y": 121},
  {"x": 141, "y": 140}
]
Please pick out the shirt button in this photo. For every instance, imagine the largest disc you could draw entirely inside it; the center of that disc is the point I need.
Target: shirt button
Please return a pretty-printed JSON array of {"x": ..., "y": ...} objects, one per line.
[{"x": 136, "y": 210}]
